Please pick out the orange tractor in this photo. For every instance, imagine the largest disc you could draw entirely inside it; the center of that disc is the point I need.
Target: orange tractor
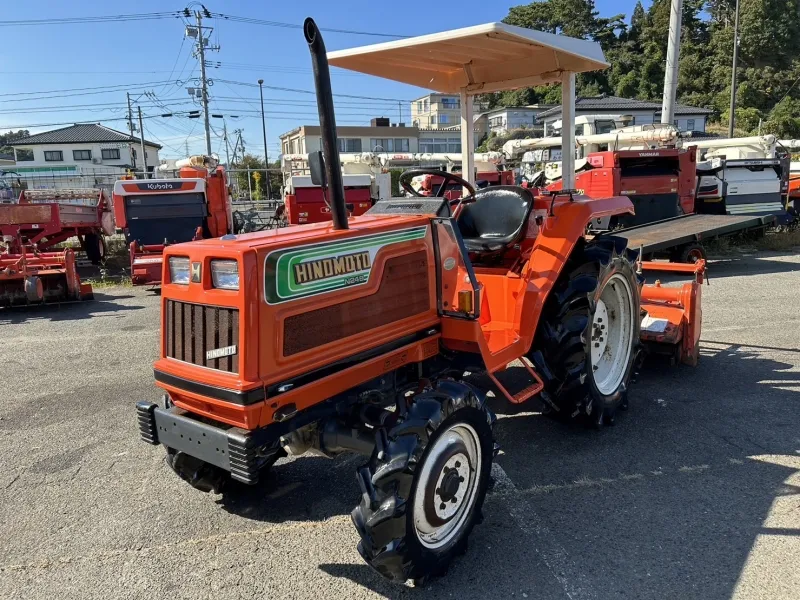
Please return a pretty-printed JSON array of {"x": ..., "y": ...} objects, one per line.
[
  {"x": 357, "y": 335},
  {"x": 154, "y": 213}
]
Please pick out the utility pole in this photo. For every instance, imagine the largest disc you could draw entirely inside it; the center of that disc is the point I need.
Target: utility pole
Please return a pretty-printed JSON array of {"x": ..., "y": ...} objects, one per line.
[
  {"x": 400, "y": 112},
  {"x": 186, "y": 144},
  {"x": 264, "y": 130},
  {"x": 200, "y": 54},
  {"x": 673, "y": 59},
  {"x": 130, "y": 114},
  {"x": 141, "y": 141},
  {"x": 225, "y": 138},
  {"x": 732, "y": 117},
  {"x": 130, "y": 127}
]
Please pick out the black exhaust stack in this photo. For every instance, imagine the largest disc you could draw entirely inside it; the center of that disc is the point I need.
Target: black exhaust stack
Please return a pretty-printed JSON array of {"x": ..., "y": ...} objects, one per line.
[{"x": 327, "y": 122}]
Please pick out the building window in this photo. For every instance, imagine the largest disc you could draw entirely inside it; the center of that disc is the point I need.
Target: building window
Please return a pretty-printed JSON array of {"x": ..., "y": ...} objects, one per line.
[
  {"x": 23, "y": 155},
  {"x": 419, "y": 106},
  {"x": 690, "y": 125},
  {"x": 133, "y": 153},
  {"x": 450, "y": 103},
  {"x": 425, "y": 105},
  {"x": 349, "y": 144},
  {"x": 438, "y": 145},
  {"x": 443, "y": 120},
  {"x": 432, "y": 121},
  {"x": 454, "y": 144},
  {"x": 53, "y": 155},
  {"x": 110, "y": 153},
  {"x": 389, "y": 144},
  {"x": 81, "y": 155}
]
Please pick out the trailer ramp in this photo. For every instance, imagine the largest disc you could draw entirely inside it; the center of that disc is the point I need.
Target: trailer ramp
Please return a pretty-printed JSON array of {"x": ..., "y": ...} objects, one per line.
[{"x": 666, "y": 235}]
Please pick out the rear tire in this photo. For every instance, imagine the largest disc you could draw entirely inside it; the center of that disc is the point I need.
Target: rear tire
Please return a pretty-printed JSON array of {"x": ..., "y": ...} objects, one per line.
[
  {"x": 588, "y": 334},
  {"x": 690, "y": 253},
  {"x": 95, "y": 247},
  {"x": 424, "y": 486}
]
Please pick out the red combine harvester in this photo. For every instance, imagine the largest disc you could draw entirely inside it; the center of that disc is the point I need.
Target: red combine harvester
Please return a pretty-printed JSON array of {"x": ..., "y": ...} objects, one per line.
[
  {"x": 305, "y": 202},
  {"x": 661, "y": 183},
  {"x": 154, "y": 213}
]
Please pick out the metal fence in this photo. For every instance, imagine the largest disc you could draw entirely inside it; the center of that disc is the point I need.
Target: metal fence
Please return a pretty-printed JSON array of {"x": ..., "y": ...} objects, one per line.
[
  {"x": 246, "y": 184},
  {"x": 59, "y": 179}
]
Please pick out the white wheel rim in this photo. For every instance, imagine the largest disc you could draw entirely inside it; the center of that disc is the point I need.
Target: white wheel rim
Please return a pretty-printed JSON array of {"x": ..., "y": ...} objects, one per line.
[
  {"x": 612, "y": 334},
  {"x": 441, "y": 504}
]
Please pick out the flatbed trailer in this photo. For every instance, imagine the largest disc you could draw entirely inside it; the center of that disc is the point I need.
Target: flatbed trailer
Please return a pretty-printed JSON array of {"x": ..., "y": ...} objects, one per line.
[
  {"x": 681, "y": 238},
  {"x": 45, "y": 218}
]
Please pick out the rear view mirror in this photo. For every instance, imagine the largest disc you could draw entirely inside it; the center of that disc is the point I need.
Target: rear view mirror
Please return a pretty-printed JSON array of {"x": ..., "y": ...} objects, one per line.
[{"x": 316, "y": 164}]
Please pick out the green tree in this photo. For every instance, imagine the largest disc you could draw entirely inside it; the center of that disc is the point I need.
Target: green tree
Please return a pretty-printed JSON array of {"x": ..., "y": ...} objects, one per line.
[
  {"x": 768, "y": 75},
  {"x": 5, "y": 138},
  {"x": 784, "y": 119},
  {"x": 254, "y": 163}
]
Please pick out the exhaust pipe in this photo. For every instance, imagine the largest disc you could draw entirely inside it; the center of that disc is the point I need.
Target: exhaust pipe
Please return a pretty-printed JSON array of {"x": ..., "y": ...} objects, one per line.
[{"x": 327, "y": 123}]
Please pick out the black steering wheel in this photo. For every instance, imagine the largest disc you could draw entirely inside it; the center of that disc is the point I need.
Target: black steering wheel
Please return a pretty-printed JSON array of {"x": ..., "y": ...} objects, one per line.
[{"x": 407, "y": 176}]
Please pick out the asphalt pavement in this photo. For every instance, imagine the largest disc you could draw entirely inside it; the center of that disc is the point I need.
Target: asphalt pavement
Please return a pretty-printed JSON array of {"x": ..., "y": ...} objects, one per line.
[{"x": 694, "y": 493}]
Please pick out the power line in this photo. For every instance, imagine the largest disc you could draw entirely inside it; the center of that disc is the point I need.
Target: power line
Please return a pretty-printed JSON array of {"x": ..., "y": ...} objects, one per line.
[
  {"x": 175, "y": 64},
  {"x": 299, "y": 91},
  {"x": 95, "y": 19},
  {"x": 253, "y": 21},
  {"x": 104, "y": 88}
]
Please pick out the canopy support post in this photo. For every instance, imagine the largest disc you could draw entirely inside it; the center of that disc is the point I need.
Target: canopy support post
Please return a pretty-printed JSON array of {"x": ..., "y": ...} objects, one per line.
[
  {"x": 467, "y": 139},
  {"x": 567, "y": 130}
]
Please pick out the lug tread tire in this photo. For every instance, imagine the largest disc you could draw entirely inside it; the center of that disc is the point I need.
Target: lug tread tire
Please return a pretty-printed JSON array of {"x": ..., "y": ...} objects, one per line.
[
  {"x": 384, "y": 517},
  {"x": 561, "y": 347}
]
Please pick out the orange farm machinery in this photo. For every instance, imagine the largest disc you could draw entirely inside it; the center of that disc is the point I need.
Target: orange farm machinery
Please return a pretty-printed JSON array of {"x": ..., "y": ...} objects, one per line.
[
  {"x": 360, "y": 335},
  {"x": 28, "y": 276},
  {"x": 154, "y": 213}
]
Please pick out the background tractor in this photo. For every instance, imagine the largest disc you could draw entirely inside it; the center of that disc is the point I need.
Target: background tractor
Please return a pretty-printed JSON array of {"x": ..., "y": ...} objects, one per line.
[{"x": 356, "y": 335}]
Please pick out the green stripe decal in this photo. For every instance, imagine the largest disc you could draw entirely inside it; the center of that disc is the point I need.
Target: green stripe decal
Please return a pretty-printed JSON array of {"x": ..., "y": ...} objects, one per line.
[{"x": 318, "y": 268}]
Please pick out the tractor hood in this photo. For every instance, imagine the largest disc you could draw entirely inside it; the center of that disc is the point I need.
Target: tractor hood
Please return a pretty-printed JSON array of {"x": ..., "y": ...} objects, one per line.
[{"x": 290, "y": 236}]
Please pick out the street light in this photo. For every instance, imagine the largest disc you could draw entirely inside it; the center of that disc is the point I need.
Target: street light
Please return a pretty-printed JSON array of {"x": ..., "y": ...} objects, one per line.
[{"x": 264, "y": 131}]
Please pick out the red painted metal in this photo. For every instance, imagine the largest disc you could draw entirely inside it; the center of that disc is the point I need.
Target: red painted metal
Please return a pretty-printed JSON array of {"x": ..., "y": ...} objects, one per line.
[
  {"x": 675, "y": 313},
  {"x": 307, "y": 205},
  {"x": 607, "y": 176},
  {"x": 147, "y": 260},
  {"x": 45, "y": 218},
  {"x": 28, "y": 276}
]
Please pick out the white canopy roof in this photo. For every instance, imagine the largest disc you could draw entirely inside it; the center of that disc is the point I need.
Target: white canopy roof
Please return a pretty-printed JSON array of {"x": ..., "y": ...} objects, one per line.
[{"x": 482, "y": 58}]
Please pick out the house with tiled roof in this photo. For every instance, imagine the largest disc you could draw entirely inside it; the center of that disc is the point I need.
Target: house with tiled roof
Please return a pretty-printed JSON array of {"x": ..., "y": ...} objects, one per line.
[
  {"x": 687, "y": 118},
  {"x": 82, "y": 148}
]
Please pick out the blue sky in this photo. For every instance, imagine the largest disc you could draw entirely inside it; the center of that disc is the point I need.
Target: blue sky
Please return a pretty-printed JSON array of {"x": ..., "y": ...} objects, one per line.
[{"x": 150, "y": 55}]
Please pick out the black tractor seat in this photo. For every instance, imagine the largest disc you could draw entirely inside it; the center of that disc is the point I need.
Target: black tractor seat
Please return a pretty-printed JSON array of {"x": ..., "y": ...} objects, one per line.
[{"x": 495, "y": 219}]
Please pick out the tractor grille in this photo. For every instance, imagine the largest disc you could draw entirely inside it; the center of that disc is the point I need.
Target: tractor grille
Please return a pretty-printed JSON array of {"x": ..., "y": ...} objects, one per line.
[{"x": 192, "y": 330}]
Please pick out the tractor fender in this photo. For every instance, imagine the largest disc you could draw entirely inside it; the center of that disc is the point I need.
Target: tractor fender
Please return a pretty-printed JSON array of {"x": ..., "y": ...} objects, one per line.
[{"x": 563, "y": 227}]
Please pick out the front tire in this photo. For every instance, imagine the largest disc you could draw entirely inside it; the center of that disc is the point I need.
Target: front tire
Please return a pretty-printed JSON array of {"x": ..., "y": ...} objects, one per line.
[
  {"x": 588, "y": 334},
  {"x": 424, "y": 486}
]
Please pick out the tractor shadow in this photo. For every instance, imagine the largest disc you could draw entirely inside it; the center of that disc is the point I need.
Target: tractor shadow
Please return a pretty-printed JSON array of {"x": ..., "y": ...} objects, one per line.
[
  {"x": 667, "y": 503},
  {"x": 678, "y": 491},
  {"x": 756, "y": 263},
  {"x": 308, "y": 488},
  {"x": 103, "y": 305}
]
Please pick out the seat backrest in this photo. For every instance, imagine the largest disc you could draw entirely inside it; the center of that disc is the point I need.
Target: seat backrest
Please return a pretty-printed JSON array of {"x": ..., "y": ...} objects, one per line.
[{"x": 498, "y": 212}]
